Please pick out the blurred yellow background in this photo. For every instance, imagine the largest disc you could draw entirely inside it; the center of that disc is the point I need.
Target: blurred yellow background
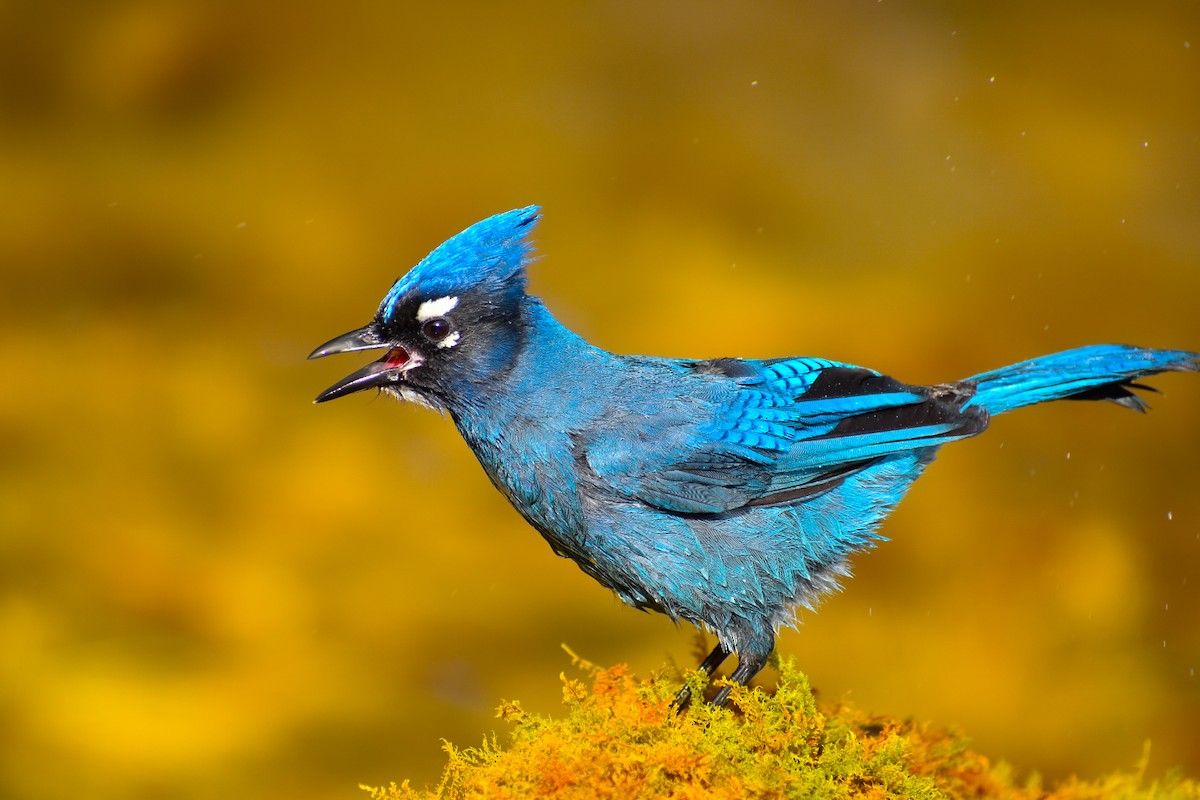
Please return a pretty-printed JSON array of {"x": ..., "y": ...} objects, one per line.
[{"x": 210, "y": 587}]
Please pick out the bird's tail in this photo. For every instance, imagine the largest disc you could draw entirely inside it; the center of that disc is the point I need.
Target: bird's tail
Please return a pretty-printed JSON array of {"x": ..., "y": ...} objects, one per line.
[{"x": 1097, "y": 372}]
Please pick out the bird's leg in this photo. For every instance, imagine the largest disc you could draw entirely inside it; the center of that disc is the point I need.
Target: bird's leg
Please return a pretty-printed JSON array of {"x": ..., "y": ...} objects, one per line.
[
  {"x": 708, "y": 666},
  {"x": 747, "y": 668}
]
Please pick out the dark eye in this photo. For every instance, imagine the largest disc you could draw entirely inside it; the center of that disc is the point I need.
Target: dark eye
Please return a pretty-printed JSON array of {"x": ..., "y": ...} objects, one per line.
[{"x": 436, "y": 329}]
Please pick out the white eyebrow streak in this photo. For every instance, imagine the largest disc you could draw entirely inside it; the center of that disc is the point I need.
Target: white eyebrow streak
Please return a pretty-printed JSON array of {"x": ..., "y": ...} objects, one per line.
[{"x": 435, "y": 308}]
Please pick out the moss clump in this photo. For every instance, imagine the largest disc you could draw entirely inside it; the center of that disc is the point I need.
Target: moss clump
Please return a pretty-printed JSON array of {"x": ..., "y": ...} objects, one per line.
[{"x": 621, "y": 739}]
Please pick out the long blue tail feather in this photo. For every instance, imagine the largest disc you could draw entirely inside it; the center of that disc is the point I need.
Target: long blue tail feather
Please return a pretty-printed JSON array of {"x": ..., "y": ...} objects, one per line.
[{"x": 1097, "y": 372}]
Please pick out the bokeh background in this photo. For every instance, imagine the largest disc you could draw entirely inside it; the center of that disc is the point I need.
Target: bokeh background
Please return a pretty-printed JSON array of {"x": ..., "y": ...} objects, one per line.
[{"x": 210, "y": 587}]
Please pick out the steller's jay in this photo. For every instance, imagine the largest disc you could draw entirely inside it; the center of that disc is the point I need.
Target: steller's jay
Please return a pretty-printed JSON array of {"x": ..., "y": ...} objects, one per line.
[{"x": 726, "y": 492}]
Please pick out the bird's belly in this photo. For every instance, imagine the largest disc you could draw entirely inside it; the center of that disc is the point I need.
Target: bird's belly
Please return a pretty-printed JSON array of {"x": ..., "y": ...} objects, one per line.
[{"x": 759, "y": 562}]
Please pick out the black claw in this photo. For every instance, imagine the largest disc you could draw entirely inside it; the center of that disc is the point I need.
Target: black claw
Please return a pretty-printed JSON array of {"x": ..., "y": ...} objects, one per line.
[
  {"x": 708, "y": 666},
  {"x": 682, "y": 700},
  {"x": 721, "y": 697},
  {"x": 746, "y": 669}
]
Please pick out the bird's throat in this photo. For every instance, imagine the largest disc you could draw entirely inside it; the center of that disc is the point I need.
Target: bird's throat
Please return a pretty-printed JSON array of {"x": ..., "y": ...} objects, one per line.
[{"x": 396, "y": 357}]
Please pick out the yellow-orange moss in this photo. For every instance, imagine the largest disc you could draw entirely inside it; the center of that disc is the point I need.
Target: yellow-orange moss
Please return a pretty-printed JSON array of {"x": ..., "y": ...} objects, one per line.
[{"x": 621, "y": 739}]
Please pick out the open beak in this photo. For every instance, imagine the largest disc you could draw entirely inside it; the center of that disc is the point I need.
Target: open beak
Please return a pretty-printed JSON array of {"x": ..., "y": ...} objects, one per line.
[{"x": 387, "y": 370}]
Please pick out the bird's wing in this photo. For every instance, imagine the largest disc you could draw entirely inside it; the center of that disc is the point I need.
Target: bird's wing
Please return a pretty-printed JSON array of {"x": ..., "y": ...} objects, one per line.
[{"x": 785, "y": 430}]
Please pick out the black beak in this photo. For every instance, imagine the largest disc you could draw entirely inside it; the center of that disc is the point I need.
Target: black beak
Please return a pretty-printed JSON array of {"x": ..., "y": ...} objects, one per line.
[
  {"x": 379, "y": 373},
  {"x": 365, "y": 338}
]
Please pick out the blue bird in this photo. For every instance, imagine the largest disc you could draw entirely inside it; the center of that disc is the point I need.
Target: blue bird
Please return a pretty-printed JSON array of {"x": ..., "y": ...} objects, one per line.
[{"x": 725, "y": 492}]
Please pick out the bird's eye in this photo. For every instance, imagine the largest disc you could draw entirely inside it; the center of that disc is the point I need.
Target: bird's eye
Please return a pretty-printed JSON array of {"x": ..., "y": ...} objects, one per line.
[{"x": 436, "y": 329}]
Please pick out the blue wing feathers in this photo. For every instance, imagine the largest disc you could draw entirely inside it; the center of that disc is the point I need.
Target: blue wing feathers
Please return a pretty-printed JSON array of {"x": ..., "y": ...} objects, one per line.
[
  {"x": 833, "y": 410},
  {"x": 780, "y": 435}
]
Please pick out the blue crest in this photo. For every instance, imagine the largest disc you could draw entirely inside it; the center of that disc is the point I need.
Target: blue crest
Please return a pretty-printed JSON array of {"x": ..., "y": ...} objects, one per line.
[{"x": 489, "y": 258}]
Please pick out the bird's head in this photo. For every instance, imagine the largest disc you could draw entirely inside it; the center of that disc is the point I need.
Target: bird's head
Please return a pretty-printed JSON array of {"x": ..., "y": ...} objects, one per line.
[{"x": 452, "y": 322}]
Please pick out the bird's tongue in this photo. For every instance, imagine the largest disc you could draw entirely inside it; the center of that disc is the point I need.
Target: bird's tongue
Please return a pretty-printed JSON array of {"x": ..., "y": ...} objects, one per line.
[{"x": 396, "y": 357}]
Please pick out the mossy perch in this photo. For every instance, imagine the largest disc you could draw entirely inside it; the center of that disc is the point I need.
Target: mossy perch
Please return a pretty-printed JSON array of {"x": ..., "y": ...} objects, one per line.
[{"x": 621, "y": 739}]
